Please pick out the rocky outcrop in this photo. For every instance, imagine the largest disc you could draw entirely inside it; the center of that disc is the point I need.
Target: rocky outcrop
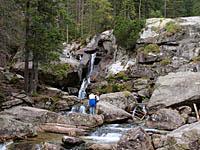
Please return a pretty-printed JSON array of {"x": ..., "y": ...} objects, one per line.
[
  {"x": 14, "y": 129},
  {"x": 112, "y": 113},
  {"x": 17, "y": 99},
  {"x": 136, "y": 139},
  {"x": 58, "y": 102},
  {"x": 121, "y": 100},
  {"x": 176, "y": 89},
  {"x": 165, "y": 119},
  {"x": 185, "y": 137}
]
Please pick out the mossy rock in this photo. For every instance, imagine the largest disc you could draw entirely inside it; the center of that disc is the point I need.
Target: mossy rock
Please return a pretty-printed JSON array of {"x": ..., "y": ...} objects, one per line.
[
  {"x": 152, "y": 48},
  {"x": 172, "y": 27}
]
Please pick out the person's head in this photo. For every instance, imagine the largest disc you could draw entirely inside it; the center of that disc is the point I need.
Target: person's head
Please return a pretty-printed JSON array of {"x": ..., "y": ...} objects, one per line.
[{"x": 97, "y": 93}]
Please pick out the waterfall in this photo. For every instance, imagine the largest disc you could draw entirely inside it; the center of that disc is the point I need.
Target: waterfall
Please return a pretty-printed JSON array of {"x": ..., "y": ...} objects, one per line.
[{"x": 86, "y": 80}]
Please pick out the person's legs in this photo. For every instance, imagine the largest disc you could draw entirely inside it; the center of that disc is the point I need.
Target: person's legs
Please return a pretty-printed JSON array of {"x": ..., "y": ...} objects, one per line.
[{"x": 92, "y": 110}]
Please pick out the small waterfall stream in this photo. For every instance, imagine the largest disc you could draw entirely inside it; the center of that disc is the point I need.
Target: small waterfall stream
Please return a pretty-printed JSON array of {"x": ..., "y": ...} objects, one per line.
[
  {"x": 86, "y": 80},
  {"x": 109, "y": 133}
]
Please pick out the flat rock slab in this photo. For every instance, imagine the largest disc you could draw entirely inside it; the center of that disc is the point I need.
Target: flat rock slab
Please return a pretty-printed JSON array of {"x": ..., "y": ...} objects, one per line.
[{"x": 176, "y": 89}]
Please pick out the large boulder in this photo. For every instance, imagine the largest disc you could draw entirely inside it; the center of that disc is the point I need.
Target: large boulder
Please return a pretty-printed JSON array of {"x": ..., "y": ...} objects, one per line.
[
  {"x": 121, "y": 100},
  {"x": 10, "y": 128},
  {"x": 166, "y": 119},
  {"x": 135, "y": 139},
  {"x": 85, "y": 120},
  {"x": 176, "y": 89},
  {"x": 112, "y": 113},
  {"x": 186, "y": 137},
  {"x": 35, "y": 116}
]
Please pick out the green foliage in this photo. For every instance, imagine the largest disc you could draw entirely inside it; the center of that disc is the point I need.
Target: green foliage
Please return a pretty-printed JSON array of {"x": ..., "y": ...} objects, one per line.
[
  {"x": 59, "y": 70},
  {"x": 114, "y": 87},
  {"x": 171, "y": 27},
  {"x": 127, "y": 31},
  {"x": 195, "y": 9},
  {"x": 151, "y": 48},
  {"x": 156, "y": 14},
  {"x": 119, "y": 76},
  {"x": 165, "y": 61}
]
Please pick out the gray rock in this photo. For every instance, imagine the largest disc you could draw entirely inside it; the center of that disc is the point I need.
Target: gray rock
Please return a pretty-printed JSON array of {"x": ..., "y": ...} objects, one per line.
[
  {"x": 119, "y": 99},
  {"x": 175, "y": 89},
  {"x": 112, "y": 113},
  {"x": 185, "y": 137},
  {"x": 135, "y": 139},
  {"x": 14, "y": 129},
  {"x": 166, "y": 119}
]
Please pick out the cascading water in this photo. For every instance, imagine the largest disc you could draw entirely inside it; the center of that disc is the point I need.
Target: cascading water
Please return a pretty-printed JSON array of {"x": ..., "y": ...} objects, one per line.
[{"x": 86, "y": 80}]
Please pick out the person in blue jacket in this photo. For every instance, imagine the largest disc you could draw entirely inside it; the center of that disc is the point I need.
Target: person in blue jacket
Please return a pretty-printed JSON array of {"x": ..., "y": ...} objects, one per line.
[{"x": 92, "y": 104}]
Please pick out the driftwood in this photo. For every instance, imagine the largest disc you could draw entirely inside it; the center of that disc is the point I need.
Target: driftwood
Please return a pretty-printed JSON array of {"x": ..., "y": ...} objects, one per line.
[{"x": 196, "y": 111}]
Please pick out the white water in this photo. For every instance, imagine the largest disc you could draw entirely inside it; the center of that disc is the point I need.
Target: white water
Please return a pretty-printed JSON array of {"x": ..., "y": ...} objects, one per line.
[
  {"x": 86, "y": 81},
  {"x": 4, "y": 145},
  {"x": 108, "y": 133}
]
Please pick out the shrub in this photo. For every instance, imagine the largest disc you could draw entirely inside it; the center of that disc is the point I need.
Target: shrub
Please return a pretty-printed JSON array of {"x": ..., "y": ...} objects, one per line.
[
  {"x": 59, "y": 70},
  {"x": 172, "y": 27},
  {"x": 152, "y": 48}
]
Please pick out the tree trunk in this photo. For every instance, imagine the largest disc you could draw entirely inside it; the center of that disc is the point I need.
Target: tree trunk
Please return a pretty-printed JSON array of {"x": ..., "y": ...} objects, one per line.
[
  {"x": 140, "y": 4},
  {"x": 165, "y": 9},
  {"x": 27, "y": 50}
]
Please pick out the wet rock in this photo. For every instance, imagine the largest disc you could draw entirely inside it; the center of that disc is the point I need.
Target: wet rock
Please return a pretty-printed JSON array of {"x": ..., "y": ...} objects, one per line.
[
  {"x": 102, "y": 147},
  {"x": 185, "y": 137},
  {"x": 14, "y": 129},
  {"x": 112, "y": 113},
  {"x": 119, "y": 99},
  {"x": 176, "y": 89},
  {"x": 136, "y": 139},
  {"x": 71, "y": 141},
  {"x": 166, "y": 119}
]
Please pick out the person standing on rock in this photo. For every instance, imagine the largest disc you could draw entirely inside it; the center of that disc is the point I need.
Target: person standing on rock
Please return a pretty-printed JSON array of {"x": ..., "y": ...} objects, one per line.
[
  {"x": 82, "y": 108},
  {"x": 92, "y": 103}
]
